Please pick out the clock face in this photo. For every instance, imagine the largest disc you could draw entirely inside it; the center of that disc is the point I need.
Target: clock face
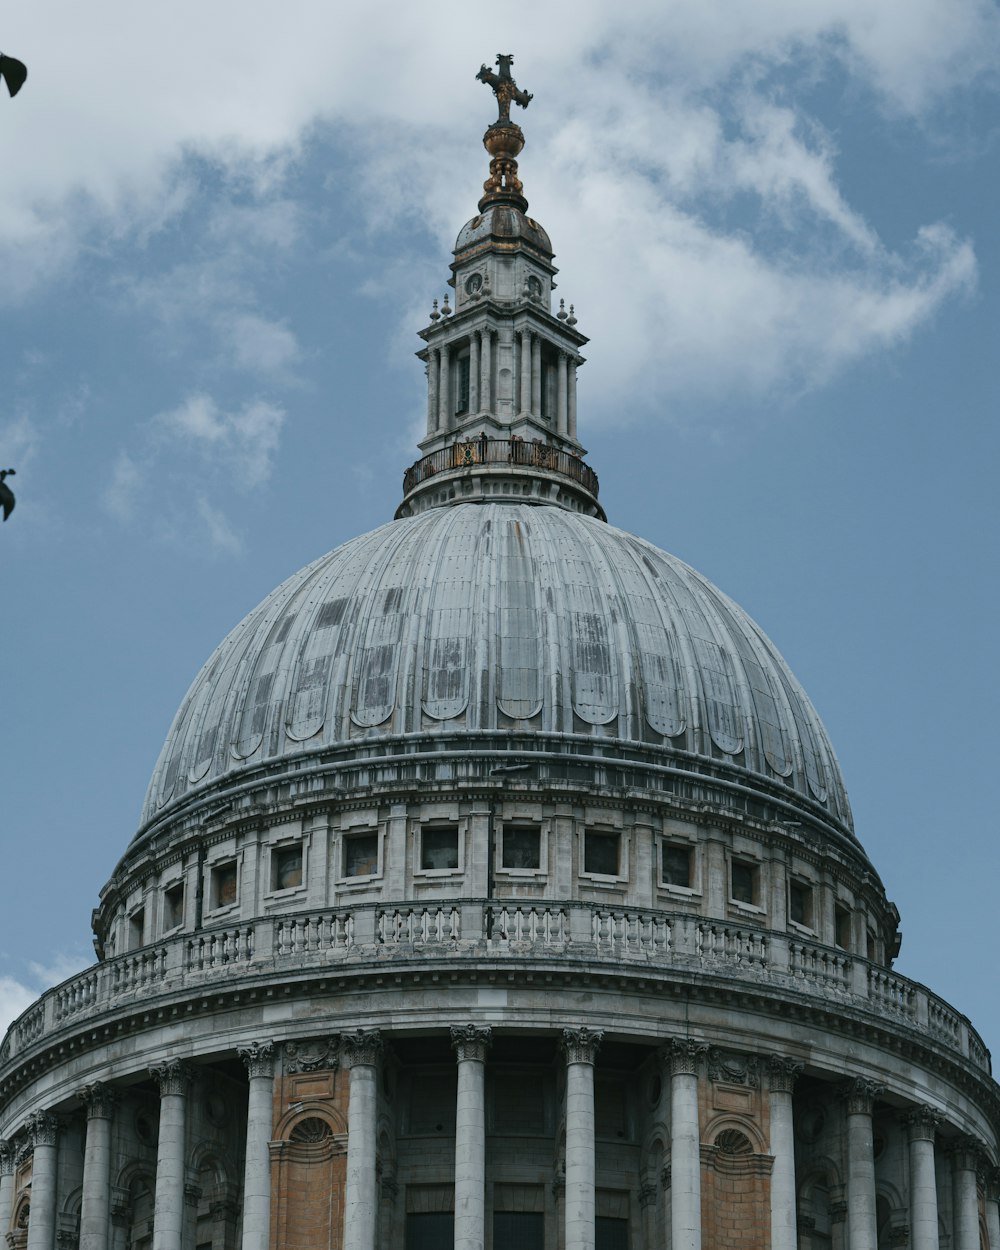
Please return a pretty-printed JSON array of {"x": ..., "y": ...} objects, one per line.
[
  {"x": 474, "y": 284},
  {"x": 534, "y": 286}
]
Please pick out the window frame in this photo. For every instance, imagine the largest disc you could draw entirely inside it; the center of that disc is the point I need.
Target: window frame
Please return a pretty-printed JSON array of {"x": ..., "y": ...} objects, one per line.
[
  {"x": 360, "y": 831},
  {"x": 755, "y": 903},
  {"x": 523, "y": 874},
  {"x": 275, "y": 851},
  {"x": 601, "y": 879},
  {"x": 678, "y": 843},
  {"x": 214, "y": 869},
  {"x": 439, "y": 826}
]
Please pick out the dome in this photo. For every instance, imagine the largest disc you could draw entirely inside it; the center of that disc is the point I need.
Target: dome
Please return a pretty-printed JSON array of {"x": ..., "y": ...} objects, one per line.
[
  {"x": 504, "y": 222},
  {"x": 493, "y": 617}
]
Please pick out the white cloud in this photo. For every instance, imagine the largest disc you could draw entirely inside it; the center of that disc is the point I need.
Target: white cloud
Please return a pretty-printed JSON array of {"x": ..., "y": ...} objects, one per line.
[
  {"x": 19, "y": 442},
  {"x": 221, "y": 535},
  {"x": 121, "y": 494},
  {"x": 258, "y": 345},
  {"x": 14, "y": 998},
  {"x": 17, "y": 994},
  {"x": 242, "y": 443}
]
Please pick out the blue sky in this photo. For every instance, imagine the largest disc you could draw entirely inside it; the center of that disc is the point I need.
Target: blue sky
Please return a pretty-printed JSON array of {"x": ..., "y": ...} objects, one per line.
[{"x": 221, "y": 226}]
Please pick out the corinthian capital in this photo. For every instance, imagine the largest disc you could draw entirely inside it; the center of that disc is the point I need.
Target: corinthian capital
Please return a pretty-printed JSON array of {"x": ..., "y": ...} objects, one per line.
[
  {"x": 173, "y": 1077},
  {"x": 258, "y": 1058},
  {"x": 682, "y": 1055},
  {"x": 783, "y": 1074},
  {"x": 470, "y": 1041},
  {"x": 6, "y": 1158},
  {"x": 42, "y": 1128},
  {"x": 100, "y": 1100},
  {"x": 361, "y": 1047},
  {"x": 859, "y": 1095},
  {"x": 581, "y": 1045},
  {"x": 922, "y": 1123}
]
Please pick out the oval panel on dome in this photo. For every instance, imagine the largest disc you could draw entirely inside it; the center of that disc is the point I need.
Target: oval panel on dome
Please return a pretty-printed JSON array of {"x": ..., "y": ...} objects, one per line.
[
  {"x": 256, "y": 703},
  {"x": 595, "y": 676},
  {"x": 519, "y": 675},
  {"x": 448, "y": 636},
  {"x": 811, "y": 760},
  {"x": 378, "y": 661},
  {"x": 725, "y": 723}
]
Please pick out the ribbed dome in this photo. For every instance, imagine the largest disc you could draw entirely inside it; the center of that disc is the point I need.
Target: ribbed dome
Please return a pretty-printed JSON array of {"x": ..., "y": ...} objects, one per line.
[
  {"x": 502, "y": 221},
  {"x": 484, "y": 617}
]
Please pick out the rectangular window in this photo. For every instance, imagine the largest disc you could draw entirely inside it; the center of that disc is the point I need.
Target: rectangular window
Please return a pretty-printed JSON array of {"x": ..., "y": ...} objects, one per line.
[
  {"x": 675, "y": 865},
  {"x": 461, "y": 385},
  {"x": 439, "y": 849},
  {"x": 173, "y": 905},
  {"x": 430, "y": 1230},
  {"x": 361, "y": 855},
  {"x": 610, "y": 1233},
  {"x": 522, "y": 846},
  {"x": 601, "y": 853},
  {"x": 744, "y": 882},
  {"x": 224, "y": 884},
  {"x": 843, "y": 925},
  {"x": 871, "y": 945},
  {"x": 518, "y": 1230},
  {"x": 136, "y": 929},
  {"x": 800, "y": 903},
  {"x": 286, "y": 867}
]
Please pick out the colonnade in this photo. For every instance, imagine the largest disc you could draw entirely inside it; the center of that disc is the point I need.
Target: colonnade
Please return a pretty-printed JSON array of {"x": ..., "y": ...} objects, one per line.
[
  {"x": 528, "y": 401},
  {"x": 360, "y": 1052}
]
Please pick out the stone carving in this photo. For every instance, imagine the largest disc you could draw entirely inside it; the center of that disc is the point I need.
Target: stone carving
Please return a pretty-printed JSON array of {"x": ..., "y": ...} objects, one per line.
[
  {"x": 100, "y": 1100},
  {"x": 859, "y": 1095},
  {"x": 312, "y": 1054},
  {"x": 311, "y": 1131},
  {"x": 647, "y": 1194},
  {"x": 470, "y": 1041},
  {"x": 899, "y": 1235},
  {"x": 783, "y": 1073},
  {"x": 922, "y": 1123},
  {"x": 581, "y": 1045},
  {"x": 6, "y": 1158},
  {"x": 258, "y": 1058},
  {"x": 43, "y": 1128},
  {"x": 965, "y": 1150},
  {"x": 733, "y": 1069},
  {"x": 504, "y": 87},
  {"x": 732, "y": 1142},
  {"x": 682, "y": 1055},
  {"x": 362, "y": 1047},
  {"x": 173, "y": 1077}
]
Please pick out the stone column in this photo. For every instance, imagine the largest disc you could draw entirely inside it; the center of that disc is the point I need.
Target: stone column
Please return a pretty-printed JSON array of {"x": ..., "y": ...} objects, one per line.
[
  {"x": 562, "y": 394},
  {"x": 571, "y": 400},
  {"x": 43, "y": 1132},
  {"x": 473, "y": 372},
  {"x": 485, "y": 371},
  {"x": 470, "y": 1045},
  {"x": 647, "y": 1208},
  {"x": 433, "y": 372},
  {"x": 95, "y": 1207},
  {"x": 6, "y": 1187},
  {"x": 683, "y": 1055},
  {"x": 580, "y": 1046},
  {"x": 525, "y": 372},
  {"x": 536, "y": 375},
  {"x": 859, "y": 1099},
  {"x": 361, "y": 1051},
  {"x": 258, "y": 1058},
  {"x": 921, "y": 1124},
  {"x": 783, "y": 1073},
  {"x": 444, "y": 390},
  {"x": 991, "y": 1182},
  {"x": 173, "y": 1079},
  {"x": 965, "y": 1157}
]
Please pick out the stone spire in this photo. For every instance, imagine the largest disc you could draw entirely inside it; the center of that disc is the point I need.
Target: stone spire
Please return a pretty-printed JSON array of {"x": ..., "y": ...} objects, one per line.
[{"x": 501, "y": 365}]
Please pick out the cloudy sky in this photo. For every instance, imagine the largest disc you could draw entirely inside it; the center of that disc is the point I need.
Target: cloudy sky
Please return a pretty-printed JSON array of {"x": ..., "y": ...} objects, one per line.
[{"x": 220, "y": 227}]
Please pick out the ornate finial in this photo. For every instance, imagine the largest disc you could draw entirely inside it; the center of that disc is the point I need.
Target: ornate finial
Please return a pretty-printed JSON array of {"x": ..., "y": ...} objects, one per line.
[
  {"x": 571, "y": 319},
  {"x": 446, "y": 309},
  {"x": 435, "y": 315},
  {"x": 562, "y": 314},
  {"x": 504, "y": 138}
]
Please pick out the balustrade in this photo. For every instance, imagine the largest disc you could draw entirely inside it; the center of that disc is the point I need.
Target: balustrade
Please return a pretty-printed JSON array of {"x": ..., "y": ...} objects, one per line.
[
  {"x": 546, "y": 925},
  {"x": 220, "y": 948},
  {"x": 418, "y": 925},
  {"x": 728, "y": 943},
  {"x": 890, "y": 992},
  {"x": 820, "y": 964}
]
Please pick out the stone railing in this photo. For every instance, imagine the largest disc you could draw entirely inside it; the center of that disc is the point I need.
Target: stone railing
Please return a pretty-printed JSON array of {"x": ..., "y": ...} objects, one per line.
[
  {"x": 509, "y": 452},
  {"x": 572, "y": 932}
]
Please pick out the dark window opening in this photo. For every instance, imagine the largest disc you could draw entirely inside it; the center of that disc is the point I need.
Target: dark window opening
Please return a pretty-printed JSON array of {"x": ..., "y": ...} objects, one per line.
[
  {"x": 439, "y": 848},
  {"x": 600, "y": 853},
  {"x": 675, "y": 865},
  {"x": 361, "y": 855},
  {"x": 224, "y": 884},
  {"x": 871, "y": 948},
  {"x": 518, "y": 1230},
  {"x": 744, "y": 882},
  {"x": 610, "y": 1233},
  {"x": 843, "y": 927},
  {"x": 800, "y": 904},
  {"x": 430, "y": 1230},
  {"x": 136, "y": 928},
  {"x": 286, "y": 867},
  {"x": 522, "y": 847},
  {"x": 461, "y": 385},
  {"x": 173, "y": 906}
]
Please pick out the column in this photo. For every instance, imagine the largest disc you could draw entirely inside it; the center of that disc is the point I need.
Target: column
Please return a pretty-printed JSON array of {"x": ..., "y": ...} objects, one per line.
[
  {"x": 361, "y": 1051},
  {"x": 965, "y": 1156},
  {"x": 571, "y": 399},
  {"x": 486, "y": 372},
  {"x": 685, "y": 1145},
  {"x": 525, "y": 372},
  {"x": 258, "y": 1059},
  {"x": 783, "y": 1073},
  {"x": 433, "y": 370},
  {"x": 444, "y": 388},
  {"x": 473, "y": 372},
  {"x": 43, "y": 1131},
  {"x": 859, "y": 1099},
  {"x": 647, "y": 1208},
  {"x": 992, "y": 1184},
  {"x": 580, "y": 1046},
  {"x": 6, "y": 1186},
  {"x": 95, "y": 1207},
  {"x": 470, "y": 1045},
  {"x": 173, "y": 1079},
  {"x": 921, "y": 1124},
  {"x": 536, "y": 375},
  {"x": 562, "y": 394}
]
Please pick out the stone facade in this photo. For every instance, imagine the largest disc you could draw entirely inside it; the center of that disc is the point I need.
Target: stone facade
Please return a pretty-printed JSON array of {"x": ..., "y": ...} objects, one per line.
[{"x": 497, "y": 887}]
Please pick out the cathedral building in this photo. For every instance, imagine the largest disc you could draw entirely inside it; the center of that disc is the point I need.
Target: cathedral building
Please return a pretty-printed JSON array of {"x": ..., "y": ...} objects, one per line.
[{"x": 496, "y": 888}]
